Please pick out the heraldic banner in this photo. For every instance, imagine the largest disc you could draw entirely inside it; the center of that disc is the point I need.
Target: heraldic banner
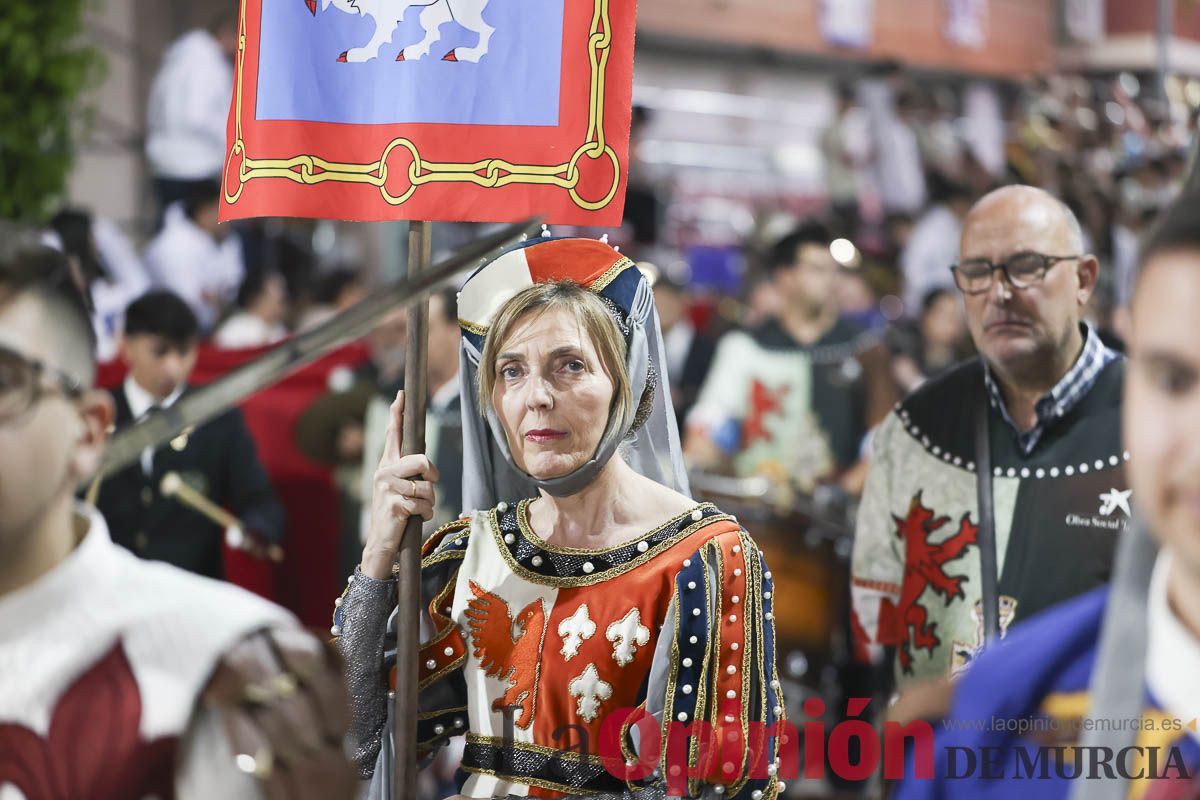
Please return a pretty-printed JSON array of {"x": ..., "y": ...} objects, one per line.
[{"x": 470, "y": 110}]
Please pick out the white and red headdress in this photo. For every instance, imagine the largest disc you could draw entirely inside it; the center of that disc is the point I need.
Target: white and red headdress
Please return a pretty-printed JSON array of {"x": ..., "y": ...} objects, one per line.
[{"x": 647, "y": 435}]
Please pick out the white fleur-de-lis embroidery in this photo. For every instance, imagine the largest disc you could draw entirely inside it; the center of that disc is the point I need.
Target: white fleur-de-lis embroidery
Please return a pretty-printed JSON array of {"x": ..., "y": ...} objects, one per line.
[
  {"x": 626, "y": 634},
  {"x": 574, "y": 630},
  {"x": 591, "y": 691}
]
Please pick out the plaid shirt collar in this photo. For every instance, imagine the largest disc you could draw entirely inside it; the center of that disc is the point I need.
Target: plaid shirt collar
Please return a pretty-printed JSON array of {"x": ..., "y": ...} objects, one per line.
[{"x": 1059, "y": 401}]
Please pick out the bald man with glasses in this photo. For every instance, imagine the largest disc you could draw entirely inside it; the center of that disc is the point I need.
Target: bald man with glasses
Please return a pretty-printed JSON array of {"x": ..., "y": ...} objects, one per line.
[{"x": 998, "y": 489}]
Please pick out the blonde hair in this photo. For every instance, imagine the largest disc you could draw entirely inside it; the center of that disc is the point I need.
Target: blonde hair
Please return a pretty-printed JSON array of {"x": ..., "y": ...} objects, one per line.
[{"x": 596, "y": 317}]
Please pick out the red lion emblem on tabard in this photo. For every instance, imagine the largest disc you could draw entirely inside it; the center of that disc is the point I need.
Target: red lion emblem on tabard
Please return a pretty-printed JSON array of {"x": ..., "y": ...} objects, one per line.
[
  {"x": 924, "y": 566},
  {"x": 763, "y": 402}
]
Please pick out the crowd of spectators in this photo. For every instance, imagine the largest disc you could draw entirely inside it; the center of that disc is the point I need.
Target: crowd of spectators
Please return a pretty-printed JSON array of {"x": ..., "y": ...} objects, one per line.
[{"x": 903, "y": 159}]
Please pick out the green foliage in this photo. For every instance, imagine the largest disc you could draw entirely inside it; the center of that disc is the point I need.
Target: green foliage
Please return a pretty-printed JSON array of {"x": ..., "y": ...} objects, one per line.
[{"x": 45, "y": 64}]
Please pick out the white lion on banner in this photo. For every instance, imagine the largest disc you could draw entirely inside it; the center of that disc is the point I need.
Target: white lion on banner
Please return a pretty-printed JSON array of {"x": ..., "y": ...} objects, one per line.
[{"x": 388, "y": 14}]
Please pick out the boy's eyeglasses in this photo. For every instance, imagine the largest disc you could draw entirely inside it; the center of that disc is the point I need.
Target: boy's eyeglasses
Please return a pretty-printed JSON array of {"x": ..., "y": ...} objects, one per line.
[{"x": 24, "y": 381}]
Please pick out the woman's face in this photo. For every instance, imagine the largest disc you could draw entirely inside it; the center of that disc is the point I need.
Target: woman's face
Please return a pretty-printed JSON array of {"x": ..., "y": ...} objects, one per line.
[{"x": 552, "y": 393}]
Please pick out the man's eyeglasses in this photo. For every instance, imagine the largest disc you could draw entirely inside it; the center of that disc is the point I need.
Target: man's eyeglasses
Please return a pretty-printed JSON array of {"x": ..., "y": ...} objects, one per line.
[
  {"x": 24, "y": 381},
  {"x": 976, "y": 275}
]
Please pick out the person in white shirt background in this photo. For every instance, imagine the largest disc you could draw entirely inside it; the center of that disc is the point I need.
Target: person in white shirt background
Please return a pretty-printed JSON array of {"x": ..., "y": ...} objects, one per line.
[
  {"x": 195, "y": 257},
  {"x": 109, "y": 265},
  {"x": 899, "y": 173},
  {"x": 933, "y": 245},
  {"x": 262, "y": 309},
  {"x": 189, "y": 105}
]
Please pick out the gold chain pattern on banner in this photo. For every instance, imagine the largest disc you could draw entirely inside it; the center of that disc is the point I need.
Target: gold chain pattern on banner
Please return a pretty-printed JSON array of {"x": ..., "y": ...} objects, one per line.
[{"x": 486, "y": 172}]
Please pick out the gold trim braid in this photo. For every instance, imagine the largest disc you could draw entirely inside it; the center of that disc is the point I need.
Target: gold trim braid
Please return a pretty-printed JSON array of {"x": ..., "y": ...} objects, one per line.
[{"x": 487, "y": 172}]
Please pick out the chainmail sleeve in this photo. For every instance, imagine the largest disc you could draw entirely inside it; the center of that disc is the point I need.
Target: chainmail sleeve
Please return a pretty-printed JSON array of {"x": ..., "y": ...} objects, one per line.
[
  {"x": 364, "y": 625},
  {"x": 361, "y": 625}
]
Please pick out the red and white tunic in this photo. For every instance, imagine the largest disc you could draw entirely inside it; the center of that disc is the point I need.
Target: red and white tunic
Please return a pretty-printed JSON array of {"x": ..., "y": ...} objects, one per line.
[
  {"x": 101, "y": 663},
  {"x": 534, "y": 646}
]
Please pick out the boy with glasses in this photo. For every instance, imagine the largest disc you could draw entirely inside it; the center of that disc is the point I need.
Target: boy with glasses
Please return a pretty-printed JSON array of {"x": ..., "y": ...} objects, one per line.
[
  {"x": 123, "y": 678},
  {"x": 1031, "y": 428}
]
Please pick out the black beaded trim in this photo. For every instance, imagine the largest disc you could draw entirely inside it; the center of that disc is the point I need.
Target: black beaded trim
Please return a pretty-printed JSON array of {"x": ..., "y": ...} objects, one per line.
[
  {"x": 550, "y": 769},
  {"x": 957, "y": 460},
  {"x": 556, "y": 564}
]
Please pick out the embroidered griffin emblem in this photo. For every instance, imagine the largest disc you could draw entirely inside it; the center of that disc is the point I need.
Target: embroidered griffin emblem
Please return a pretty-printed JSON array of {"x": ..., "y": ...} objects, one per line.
[
  {"x": 508, "y": 648},
  {"x": 924, "y": 567}
]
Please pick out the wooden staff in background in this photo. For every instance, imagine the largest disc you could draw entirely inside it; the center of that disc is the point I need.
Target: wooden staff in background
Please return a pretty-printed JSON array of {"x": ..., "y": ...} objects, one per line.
[
  {"x": 409, "y": 576},
  {"x": 236, "y": 535}
]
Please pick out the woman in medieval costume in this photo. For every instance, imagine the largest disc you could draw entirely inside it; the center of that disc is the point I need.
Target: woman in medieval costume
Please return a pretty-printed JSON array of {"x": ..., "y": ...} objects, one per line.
[{"x": 591, "y": 589}]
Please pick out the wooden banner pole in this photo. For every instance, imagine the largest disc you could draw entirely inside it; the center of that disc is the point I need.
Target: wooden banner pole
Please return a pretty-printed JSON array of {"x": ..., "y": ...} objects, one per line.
[{"x": 409, "y": 576}]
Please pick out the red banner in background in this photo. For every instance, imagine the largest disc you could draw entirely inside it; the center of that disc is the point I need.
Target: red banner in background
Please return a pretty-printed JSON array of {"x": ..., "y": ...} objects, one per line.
[
  {"x": 458, "y": 110},
  {"x": 306, "y": 582}
]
